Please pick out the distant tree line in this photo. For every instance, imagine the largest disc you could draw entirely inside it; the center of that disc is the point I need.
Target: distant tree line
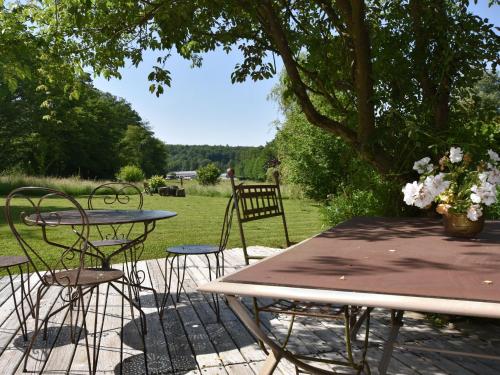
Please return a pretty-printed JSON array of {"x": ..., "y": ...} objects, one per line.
[
  {"x": 249, "y": 162},
  {"x": 53, "y": 122}
]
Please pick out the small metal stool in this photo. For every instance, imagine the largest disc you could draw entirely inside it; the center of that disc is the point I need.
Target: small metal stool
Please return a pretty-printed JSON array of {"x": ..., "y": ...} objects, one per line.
[
  {"x": 175, "y": 253},
  {"x": 6, "y": 262}
]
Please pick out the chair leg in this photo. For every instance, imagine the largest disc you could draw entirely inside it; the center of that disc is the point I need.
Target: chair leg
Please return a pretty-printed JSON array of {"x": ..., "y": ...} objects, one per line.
[
  {"x": 180, "y": 278},
  {"x": 215, "y": 298},
  {"x": 84, "y": 328},
  {"x": 128, "y": 296},
  {"x": 168, "y": 283},
  {"x": 37, "y": 328},
  {"x": 21, "y": 320},
  {"x": 141, "y": 334}
]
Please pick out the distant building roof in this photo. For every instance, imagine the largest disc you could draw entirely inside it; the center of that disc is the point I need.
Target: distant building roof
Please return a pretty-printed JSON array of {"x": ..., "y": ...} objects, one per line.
[{"x": 184, "y": 173}]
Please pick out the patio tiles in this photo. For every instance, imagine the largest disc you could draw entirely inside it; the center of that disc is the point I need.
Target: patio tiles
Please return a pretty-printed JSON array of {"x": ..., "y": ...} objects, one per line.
[{"x": 189, "y": 340}]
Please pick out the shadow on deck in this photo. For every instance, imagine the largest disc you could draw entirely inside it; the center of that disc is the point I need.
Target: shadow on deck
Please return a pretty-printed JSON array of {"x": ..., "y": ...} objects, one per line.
[{"x": 189, "y": 340}]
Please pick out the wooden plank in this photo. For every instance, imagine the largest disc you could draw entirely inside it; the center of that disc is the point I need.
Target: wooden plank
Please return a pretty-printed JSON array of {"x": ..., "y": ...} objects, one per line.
[
  {"x": 183, "y": 358},
  {"x": 10, "y": 360},
  {"x": 9, "y": 323},
  {"x": 60, "y": 358},
  {"x": 110, "y": 355},
  {"x": 205, "y": 353},
  {"x": 228, "y": 351}
]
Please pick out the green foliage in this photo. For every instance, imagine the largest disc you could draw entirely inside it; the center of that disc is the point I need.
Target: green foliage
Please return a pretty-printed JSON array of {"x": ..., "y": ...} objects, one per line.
[
  {"x": 130, "y": 173},
  {"x": 248, "y": 162},
  {"x": 317, "y": 161},
  {"x": 388, "y": 85},
  {"x": 139, "y": 147},
  {"x": 52, "y": 121},
  {"x": 157, "y": 181},
  {"x": 348, "y": 204},
  {"x": 208, "y": 175}
]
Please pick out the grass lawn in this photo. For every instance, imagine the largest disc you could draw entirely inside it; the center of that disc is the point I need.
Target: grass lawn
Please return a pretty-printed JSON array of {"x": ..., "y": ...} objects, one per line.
[{"x": 198, "y": 221}]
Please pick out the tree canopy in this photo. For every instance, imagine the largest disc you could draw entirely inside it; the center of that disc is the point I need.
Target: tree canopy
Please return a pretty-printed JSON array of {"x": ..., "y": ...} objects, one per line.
[
  {"x": 385, "y": 76},
  {"x": 53, "y": 121}
]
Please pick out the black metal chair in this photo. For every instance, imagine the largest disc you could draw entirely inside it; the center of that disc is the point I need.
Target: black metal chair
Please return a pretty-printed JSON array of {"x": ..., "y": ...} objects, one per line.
[
  {"x": 174, "y": 254},
  {"x": 110, "y": 196},
  {"x": 58, "y": 254},
  {"x": 262, "y": 201},
  {"x": 120, "y": 195}
]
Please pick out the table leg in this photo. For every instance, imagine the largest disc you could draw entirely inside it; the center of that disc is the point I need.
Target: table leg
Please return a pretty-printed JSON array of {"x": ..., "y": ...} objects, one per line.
[
  {"x": 396, "y": 324},
  {"x": 277, "y": 352}
]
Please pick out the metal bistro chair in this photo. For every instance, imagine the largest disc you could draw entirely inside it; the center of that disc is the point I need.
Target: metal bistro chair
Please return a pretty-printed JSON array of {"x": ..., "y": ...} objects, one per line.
[
  {"x": 116, "y": 195},
  {"x": 262, "y": 201},
  {"x": 256, "y": 202},
  {"x": 58, "y": 253},
  {"x": 175, "y": 253}
]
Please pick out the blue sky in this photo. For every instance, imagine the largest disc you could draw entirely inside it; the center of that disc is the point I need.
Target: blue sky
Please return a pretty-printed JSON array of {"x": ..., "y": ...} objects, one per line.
[{"x": 202, "y": 106}]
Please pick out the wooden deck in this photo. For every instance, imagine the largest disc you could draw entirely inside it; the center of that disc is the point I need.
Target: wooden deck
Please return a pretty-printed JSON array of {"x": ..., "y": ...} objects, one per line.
[{"x": 190, "y": 341}]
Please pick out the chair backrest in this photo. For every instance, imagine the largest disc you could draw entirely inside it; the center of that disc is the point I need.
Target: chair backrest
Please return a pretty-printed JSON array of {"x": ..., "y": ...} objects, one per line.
[
  {"x": 36, "y": 218},
  {"x": 115, "y": 196},
  {"x": 256, "y": 202}
]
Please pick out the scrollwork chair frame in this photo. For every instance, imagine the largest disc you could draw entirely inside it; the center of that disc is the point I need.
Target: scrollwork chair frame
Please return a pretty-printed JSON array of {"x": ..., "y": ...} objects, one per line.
[{"x": 69, "y": 270}]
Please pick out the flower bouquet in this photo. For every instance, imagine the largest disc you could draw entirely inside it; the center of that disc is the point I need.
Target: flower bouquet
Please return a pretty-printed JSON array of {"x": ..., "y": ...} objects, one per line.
[{"x": 460, "y": 187}]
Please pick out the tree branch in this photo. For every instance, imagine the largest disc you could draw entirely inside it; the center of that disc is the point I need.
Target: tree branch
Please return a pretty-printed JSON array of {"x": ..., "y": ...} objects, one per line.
[
  {"x": 354, "y": 15},
  {"x": 271, "y": 24}
]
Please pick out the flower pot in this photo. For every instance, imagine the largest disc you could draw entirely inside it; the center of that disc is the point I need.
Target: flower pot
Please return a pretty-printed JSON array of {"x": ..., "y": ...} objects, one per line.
[{"x": 458, "y": 225}]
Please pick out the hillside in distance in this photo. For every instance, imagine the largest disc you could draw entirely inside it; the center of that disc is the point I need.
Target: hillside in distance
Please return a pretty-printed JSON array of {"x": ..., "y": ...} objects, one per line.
[{"x": 248, "y": 162}]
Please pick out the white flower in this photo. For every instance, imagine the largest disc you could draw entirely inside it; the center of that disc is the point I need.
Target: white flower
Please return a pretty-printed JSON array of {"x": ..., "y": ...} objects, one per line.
[
  {"x": 486, "y": 192},
  {"x": 423, "y": 165},
  {"x": 456, "y": 154},
  {"x": 493, "y": 155},
  {"x": 436, "y": 184},
  {"x": 483, "y": 177},
  {"x": 474, "y": 212},
  {"x": 424, "y": 198},
  {"x": 494, "y": 176},
  {"x": 411, "y": 192},
  {"x": 475, "y": 198}
]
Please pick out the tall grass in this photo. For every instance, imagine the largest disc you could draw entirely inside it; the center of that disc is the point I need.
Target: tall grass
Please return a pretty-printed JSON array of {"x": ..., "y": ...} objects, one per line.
[
  {"x": 70, "y": 185},
  {"x": 76, "y": 186},
  {"x": 223, "y": 188}
]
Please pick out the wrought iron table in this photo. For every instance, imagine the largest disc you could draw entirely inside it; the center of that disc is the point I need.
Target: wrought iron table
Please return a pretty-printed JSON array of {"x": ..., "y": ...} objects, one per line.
[
  {"x": 131, "y": 248},
  {"x": 396, "y": 264}
]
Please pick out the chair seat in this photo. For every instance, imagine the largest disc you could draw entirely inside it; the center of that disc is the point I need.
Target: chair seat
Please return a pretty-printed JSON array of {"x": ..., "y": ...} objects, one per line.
[
  {"x": 10, "y": 261},
  {"x": 116, "y": 242},
  {"x": 193, "y": 249},
  {"x": 87, "y": 277}
]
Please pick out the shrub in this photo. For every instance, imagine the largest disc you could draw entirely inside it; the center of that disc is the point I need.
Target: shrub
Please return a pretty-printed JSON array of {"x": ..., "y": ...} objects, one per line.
[
  {"x": 130, "y": 173},
  {"x": 208, "y": 175},
  {"x": 348, "y": 204},
  {"x": 379, "y": 199},
  {"x": 156, "y": 181}
]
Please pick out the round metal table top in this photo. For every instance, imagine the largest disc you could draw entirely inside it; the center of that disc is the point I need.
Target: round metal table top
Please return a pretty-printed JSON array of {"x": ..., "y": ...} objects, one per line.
[
  {"x": 10, "y": 261},
  {"x": 193, "y": 249},
  {"x": 100, "y": 217}
]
